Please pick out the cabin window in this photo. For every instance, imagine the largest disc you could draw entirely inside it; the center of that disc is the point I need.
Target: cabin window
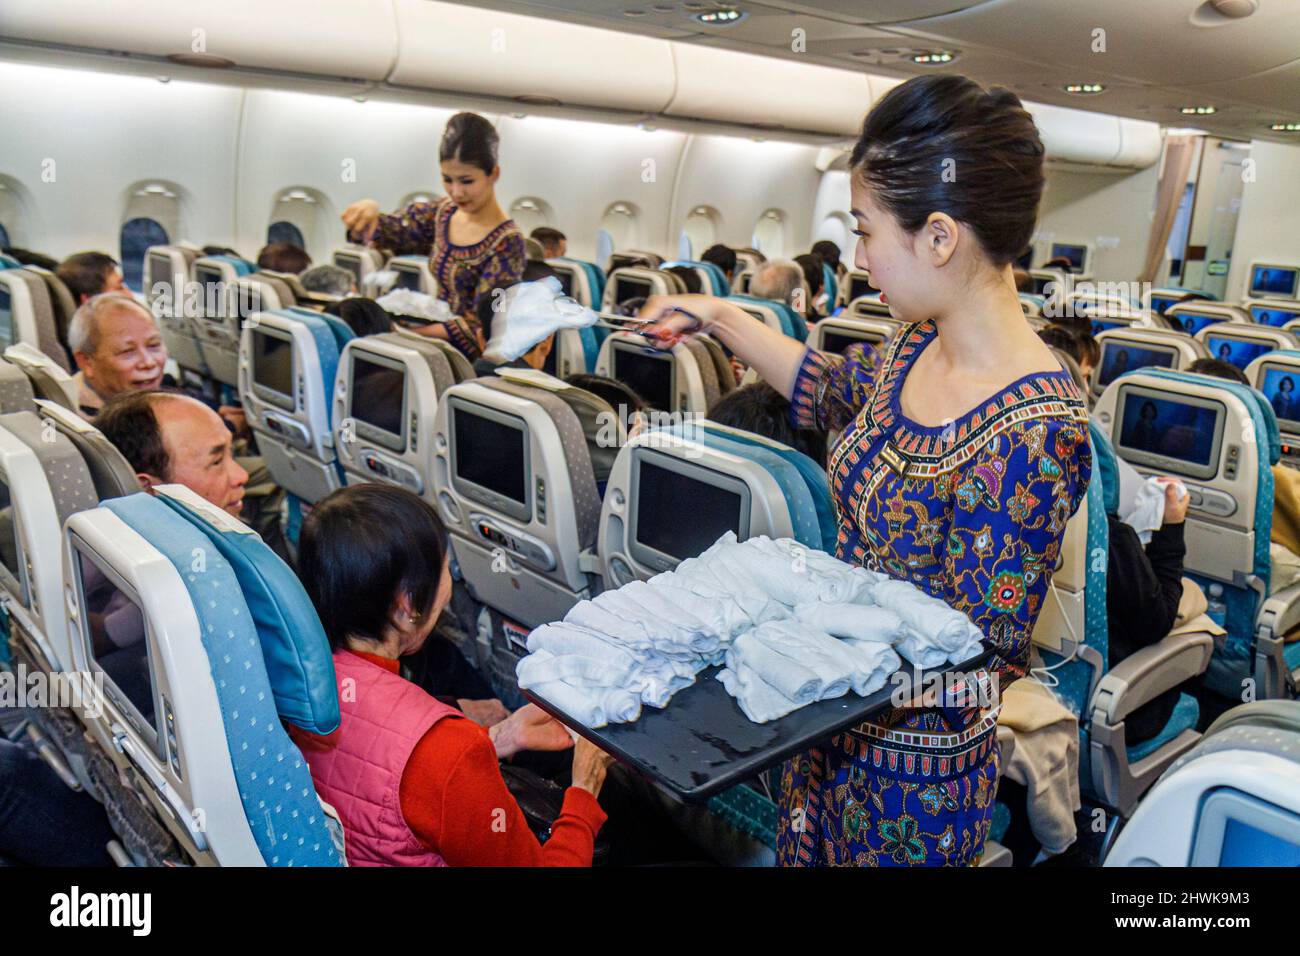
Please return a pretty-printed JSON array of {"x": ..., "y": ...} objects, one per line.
[
  {"x": 619, "y": 226},
  {"x": 769, "y": 234},
  {"x": 152, "y": 217},
  {"x": 305, "y": 218},
  {"x": 529, "y": 213},
  {"x": 137, "y": 236},
  {"x": 698, "y": 233},
  {"x": 838, "y": 228},
  {"x": 4, "y": 237},
  {"x": 423, "y": 195}
]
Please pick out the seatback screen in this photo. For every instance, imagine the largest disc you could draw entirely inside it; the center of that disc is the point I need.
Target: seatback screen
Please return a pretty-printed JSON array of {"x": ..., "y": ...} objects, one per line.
[
  {"x": 1174, "y": 430},
  {"x": 1072, "y": 252},
  {"x": 407, "y": 280},
  {"x": 566, "y": 281},
  {"x": 352, "y": 264},
  {"x": 661, "y": 523},
  {"x": 859, "y": 287},
  {"x": 648, "y": 373},
  {"x": 9, "y": 551},
  {"x": 1193, "y": 322},
  {"x": 211, "y": 283},
  {"x": 1120, "y": 357},
  {"x": 1162, "y": 302},
  {"x": 273, "y": 365},
  {"x": 1276, "y": 317},
  {"x": 627, "y": 288},
  {"x": 1273, "y": 280},
  {"x": 378, "y": 395},
  {"x": 491, "y": 454},
  {"x": 837, "y": 342},
  {"x": 1236, "y": 351},
  {"x": 1278, "y": 383}
]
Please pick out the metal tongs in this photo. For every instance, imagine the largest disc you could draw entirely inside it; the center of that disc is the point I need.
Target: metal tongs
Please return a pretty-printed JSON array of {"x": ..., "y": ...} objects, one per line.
[{"x": 633, "y": 325}]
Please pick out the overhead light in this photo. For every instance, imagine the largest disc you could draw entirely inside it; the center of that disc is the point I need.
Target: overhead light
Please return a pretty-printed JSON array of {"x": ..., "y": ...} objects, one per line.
[
  {"x": 646, "y": 127},
  {"x": 163, "y": 79},
  {"x": 1198, "y": 110},
  {"x": 933, "y": 57},
  {"x": 360, "y": 98},
  {"x": 721, "y": 18},
  {"x": 1285, "y": 127},
  {"x": 1083, "y": 89}
]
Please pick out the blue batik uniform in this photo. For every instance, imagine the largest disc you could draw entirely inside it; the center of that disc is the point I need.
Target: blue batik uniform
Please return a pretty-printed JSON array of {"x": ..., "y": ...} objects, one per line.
[{"x": 971, "y": 512}]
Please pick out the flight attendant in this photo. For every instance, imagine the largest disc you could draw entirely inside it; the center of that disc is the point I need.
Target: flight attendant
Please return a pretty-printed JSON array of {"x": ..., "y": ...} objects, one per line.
[
  {"x": 472, "y": 244},
  {"x": 964, "y": 451}
]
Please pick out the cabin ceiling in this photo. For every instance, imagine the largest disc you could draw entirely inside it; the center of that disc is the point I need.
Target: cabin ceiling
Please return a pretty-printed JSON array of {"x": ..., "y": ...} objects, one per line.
[{"x": 1155, "y": 57}]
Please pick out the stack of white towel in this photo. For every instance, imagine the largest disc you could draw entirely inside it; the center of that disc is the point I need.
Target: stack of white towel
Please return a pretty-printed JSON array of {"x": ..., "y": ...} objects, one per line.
[{"x": 792, "y": 625}]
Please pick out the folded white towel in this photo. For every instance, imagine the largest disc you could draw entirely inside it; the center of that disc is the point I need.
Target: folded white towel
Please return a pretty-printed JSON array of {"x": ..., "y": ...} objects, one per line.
[
  {"x": 857, "y": 621},
  {"x": 542, "y": 667},
  {"x": 592, "y": 706},
  {"x": 932, "y": 622}
]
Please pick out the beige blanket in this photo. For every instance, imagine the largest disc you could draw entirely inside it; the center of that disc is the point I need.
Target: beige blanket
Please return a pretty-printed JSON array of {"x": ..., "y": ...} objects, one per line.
[{"x": 1044, "y": 757}]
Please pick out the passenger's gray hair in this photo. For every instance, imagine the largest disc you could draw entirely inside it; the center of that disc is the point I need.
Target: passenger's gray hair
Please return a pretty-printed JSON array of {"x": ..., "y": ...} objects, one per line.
[
  {"x": 329, "y": 279},
  {"x": 776, "y": 279},
  {"x": 83, "y": 330}
]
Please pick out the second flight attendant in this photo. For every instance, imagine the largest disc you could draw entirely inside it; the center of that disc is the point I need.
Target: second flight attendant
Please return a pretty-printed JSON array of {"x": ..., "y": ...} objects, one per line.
[
  {"x": 964, "y": 450},
  {"x": 471, "y": 243}
]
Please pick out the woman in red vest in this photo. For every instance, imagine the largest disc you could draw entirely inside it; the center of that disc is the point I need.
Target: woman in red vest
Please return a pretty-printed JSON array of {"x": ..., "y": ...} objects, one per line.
[{"x": 414, "y": 780}]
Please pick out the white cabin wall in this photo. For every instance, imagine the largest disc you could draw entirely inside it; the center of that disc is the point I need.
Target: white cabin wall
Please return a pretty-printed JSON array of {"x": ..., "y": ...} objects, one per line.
[
  {"x": 1266, "y": 227},
  {"x": 1101, "y": 208},
  {"x": 101, "y": 133}
]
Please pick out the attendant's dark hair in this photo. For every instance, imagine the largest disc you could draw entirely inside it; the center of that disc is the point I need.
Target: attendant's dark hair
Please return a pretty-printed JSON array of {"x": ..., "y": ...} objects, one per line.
[
  {"x": 469, "y": 139},
  {"x": 1219, "y": 369},
  {"x": 942, "y": 143},
  {"x": 360, "y": 549}
]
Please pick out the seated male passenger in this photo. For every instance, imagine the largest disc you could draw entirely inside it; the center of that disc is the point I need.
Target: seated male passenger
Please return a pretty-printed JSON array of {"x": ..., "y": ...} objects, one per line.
[
  {"x": 283, "y": 257},
  {"x": 117, "y": 347},
  {"x": 782, "y": 281},
  {"x": 88, "y": 274},
  {"x": 761, "y": 409},
  {"x": 553, "y": 242},
  {"x": 328, "y": 279},
  {"x": 485, "y": 310},
  {"x": 1285, "y": 537},
  {"x": 374, "y": 560}
]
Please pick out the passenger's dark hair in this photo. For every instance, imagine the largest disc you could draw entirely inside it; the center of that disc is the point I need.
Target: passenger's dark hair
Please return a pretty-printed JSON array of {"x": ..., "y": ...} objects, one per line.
[
  {"x": 29, "y": 258},
  {"x": 942, "y": 143},
  {"x": 689, "y": 276},
  {"x": 535, "y": 269},
  {"x": 283, "y": 257},
  {"x": 761, "y": 409},
  {"x": 129, "y": 423},
  {"x": 613, "y": 391},
  {"x": 811, "y": 264},
  {"x": 547, "y": 236},
  {"x": 363, "y": 546},
  {"x": 86, "y": 273},
  {"x": 1219, "y": 369},
  {"x": 469, "y": 139},
  {"x": 1059, "y": 337},
  {"x": 221, "y": 251},
  {"x": 722, "y": 257},
  {"x": 363, "y": 316},
  {"x": 829, "y": 252}
]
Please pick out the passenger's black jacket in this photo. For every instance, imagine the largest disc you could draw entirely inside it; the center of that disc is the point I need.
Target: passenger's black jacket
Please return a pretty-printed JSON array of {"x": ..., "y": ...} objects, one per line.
[{"x": 1143, "y": 588}]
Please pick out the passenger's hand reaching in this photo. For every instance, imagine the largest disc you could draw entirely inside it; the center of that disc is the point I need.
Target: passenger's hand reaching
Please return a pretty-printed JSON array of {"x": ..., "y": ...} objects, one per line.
[
  {"x": 590, "y": 764},
  {"x": 529, "y": 728},
  {"x": 361, "y": 218},
  {"x": 485, "y": 713},
  {"x": 1176, "y": 500}
]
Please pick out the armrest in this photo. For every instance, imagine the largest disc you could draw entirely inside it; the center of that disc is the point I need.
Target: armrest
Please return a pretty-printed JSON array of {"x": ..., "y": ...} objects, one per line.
[
  {"x": 1143, "y": 676},
  {"x": 1280, "y": 613}
]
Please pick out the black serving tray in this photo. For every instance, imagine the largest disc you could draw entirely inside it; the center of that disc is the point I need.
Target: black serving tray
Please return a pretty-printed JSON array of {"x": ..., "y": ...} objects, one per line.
[{"x": 702, "y": 742}]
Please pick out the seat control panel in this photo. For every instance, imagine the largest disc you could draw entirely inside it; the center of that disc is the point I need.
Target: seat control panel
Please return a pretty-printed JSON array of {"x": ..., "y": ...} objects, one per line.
[
  {"x": 390, "y": 470},
  {"x": 524, "y": 547}
]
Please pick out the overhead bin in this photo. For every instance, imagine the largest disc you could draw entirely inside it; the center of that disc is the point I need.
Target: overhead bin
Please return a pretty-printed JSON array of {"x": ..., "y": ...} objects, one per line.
[
  {"x": 445, "y": 46},
  {"x": 726, "y": 86},
  {"x": 1095, "y": 139},
  {"x": 356, "y": 39}
]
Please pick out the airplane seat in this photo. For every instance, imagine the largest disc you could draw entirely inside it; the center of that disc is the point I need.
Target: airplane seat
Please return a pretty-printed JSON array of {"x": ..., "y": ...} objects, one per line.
[
  {"x": 1071, "y": 637},
  {"x": 216, "y": 319},
  {"x": 1031, "y": 304},
  {"x": 110, "y": 473},
  {"x": 25, "y": 301},
  {"x": 63, "y": 305},
  {"x": 1221, "y": 438},
  {"x": 837, "y": 332},
  {"x": 635, "y": 282},
  {"x": 575, "y": 351},
  {"x": 167, "y": 274},
  {"x": 713, "y": 281},
  {"x": 288, "y": 360},
  {"x": 16, "y": 393},
  {"x": 1196, "y": 315},
  {"x": 1240, "y": 345},
  {"x": 723, "y": 369},
  {"x": 48, "y": 379},
  {"x": 707, "y": 369},
  {"x": 9, "y": 262},
  {"x": 44, "y": 482},
  {"x": 829, "y": 284},
  {"x": 413, "y": 273},
  {"x": 386, "y": 394},
  {"x": 586, "y": 283},
  {"x": 1267, "y": 374},
  {"x": 1124, "y": 349},
  {"x": 1232, "y": 800},
  {"x": 668, "y": 380},
  {"x": 787, "y": 321},
  {"x": 1071, "y": 365},
  {"x": 515, "y": 483},
  {"x": 191, "y": 715},
  {"x": 462, "y": 370},
  {"x": 358, "y": 260}
]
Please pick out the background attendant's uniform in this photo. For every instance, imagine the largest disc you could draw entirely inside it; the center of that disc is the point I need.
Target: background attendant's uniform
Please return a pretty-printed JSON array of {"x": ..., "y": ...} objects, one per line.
[
  {"x": 463, "y": 273},
  {"x": 972, "y": 512}
]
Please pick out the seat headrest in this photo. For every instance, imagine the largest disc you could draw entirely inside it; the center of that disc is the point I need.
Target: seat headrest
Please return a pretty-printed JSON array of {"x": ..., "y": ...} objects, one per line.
[
  {"x": 15, "y": 390},
  {"x": 1259, "y": 407},
  {"x": 110, "y": 472},
  {"x": 299, "y": 663},
  {"x": 69, "y": 479},
  {"x": 1104, "y": 460}
]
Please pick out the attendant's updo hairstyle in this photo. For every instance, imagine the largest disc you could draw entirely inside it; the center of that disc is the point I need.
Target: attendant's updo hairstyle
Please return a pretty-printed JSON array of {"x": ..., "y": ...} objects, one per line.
[
  {"x": 942, "y": 143},
  {"x": 469, "y": 139}
]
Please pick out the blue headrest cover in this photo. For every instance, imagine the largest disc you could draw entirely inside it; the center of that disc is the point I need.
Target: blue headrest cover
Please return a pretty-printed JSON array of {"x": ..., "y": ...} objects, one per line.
[
  {"x": 1103, "y": 459},
  {"x": 299, "y": 664}
]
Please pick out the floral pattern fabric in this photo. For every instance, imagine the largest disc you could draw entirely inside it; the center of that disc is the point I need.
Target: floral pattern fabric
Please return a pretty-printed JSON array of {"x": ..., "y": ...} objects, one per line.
[{"x": 971, "y": 512}]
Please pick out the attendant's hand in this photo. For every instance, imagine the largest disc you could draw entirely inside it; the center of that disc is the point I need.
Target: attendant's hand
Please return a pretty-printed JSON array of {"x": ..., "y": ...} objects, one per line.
[
  {"x": 361, "y": 218},
  {"x": 590, "y": 765},
  {"x": 529, "y": 728},
  {"x": 1175, "y": 505},
  {"x": 485, "y": 713},
  {"x": 673, "y": 318}
]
